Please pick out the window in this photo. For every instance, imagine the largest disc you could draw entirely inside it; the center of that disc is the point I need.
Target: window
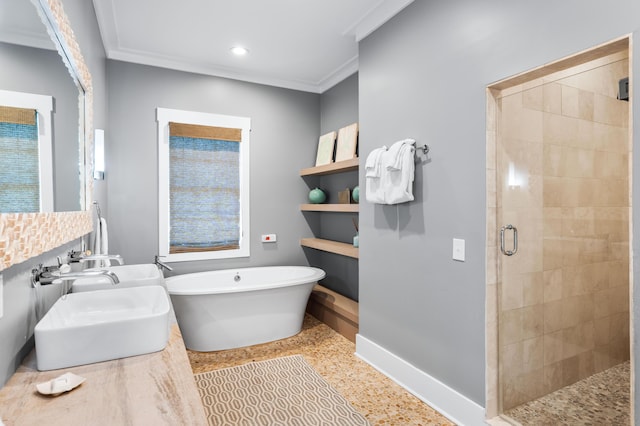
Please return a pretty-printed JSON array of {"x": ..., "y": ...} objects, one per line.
[
  {"x": 204, "y": 185},
  {"x": 26, "y": 164}
]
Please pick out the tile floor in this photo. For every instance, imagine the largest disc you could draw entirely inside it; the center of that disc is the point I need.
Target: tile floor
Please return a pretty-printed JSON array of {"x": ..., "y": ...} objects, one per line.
[
  {"x": 378, "y": 398},
  {"x": 601, "y": 399}
]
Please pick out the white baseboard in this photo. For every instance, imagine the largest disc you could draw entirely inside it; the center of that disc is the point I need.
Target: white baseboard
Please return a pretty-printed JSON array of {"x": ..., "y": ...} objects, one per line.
[{"x": 451, "y": 404}]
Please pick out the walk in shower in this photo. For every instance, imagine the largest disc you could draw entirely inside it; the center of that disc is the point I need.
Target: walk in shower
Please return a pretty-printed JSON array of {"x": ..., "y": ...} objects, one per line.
[{"x": 558, "y": 179}]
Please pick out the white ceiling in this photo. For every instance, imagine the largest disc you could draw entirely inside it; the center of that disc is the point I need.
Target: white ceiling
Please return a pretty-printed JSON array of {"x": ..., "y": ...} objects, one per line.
[{"x": 308, "y": 45}]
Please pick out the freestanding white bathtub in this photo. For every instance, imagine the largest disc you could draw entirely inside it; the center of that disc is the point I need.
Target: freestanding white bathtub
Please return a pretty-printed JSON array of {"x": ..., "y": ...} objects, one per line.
[{"x": 233, "y": 308}]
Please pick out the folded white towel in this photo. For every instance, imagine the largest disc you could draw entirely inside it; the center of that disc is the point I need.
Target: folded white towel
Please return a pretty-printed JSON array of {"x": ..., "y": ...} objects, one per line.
[
  {"x": 373, "y": 165},
  {"x": 390, "y": 173},
  {"x": 394, "y": 159},
  {"x": 398, "y": 182},
  {"x": 374, "y": 191}
]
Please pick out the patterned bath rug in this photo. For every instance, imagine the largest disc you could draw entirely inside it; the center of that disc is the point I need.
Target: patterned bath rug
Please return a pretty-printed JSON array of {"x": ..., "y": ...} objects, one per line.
[{"x": 280, "y": 391}]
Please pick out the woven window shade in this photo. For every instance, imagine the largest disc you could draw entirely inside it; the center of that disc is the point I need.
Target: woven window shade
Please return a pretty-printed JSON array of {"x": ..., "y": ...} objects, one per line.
[
  {"x": 19, "y": 161},
  {"x": 204, "y": 186},
  {"x": 196, "y": 131}
]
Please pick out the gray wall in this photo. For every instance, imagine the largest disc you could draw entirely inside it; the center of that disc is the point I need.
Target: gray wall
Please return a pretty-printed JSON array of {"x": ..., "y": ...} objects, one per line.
[
  {"x": 284, "y": 136},
  {"x": 423, "y": 75},
  {"x": 338, "y": 108},
  {"x": 16, "y": 325}
]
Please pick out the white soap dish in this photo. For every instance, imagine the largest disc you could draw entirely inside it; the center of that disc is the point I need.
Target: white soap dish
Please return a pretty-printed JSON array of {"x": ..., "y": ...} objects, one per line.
[{"x": 61, "y": 384}]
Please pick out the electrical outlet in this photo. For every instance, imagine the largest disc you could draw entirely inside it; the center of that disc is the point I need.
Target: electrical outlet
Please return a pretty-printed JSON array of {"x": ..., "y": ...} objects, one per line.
[{"x": 268, "y": 238}]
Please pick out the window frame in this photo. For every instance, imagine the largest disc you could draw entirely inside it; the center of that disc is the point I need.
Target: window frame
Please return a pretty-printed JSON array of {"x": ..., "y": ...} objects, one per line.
[
  {"x": 43, "y": 104},
  {"x": 164, "y": 116}
]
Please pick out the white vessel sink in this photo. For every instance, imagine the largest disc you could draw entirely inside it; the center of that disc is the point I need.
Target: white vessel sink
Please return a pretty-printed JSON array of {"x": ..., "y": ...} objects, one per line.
[
  {"x": 129, "y": 276},
  {"x": 88, "y": 327}
]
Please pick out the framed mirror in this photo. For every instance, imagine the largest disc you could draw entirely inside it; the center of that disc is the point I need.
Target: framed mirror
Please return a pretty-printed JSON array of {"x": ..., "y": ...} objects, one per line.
[{"x": 26, "y": 234}]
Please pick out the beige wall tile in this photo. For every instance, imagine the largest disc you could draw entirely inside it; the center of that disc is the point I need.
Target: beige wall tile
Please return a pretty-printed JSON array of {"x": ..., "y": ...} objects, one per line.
[
  {"x": 533, "y": 354},
  {"x": 585, "y": 105},
  {"x": 585, "y": 365},
  {"x": 611, "y": 111},
  {"x": 552, "y": 98},
  {"x": 586, "y": 138},
  {"x": 570, "y": 370},
  {"x": 532, "y": 98},
  {"x": 552, "y": 221},
  {"x": 570, "y": 105},
  {"x": 579, "y": 163},
  {"x": 532, "y": 321},
  {"x": 611, "y": 138},
  {"x": 511, "y": 326},
  {"x": 533, "y": 288},
  {"x": 618, "y": 273},
  {"x": 553, "y": 316},
  {"x": 553, "y": 377},
  {"x": 601, "y": 359},
  {"x": 553, "y": 252},
  {"x": 578, "y": 221},
  {"x": 601, "y": 331},
  {"x": 532, "y": 384},
  {"x": 511, "y": 292},
  {"x": 553, "y": 281},
  {"x": 560, "y": 130},
  {"x": 553, "y": 161},
  {"x": 553, "y": 191},
  {"x": 610, "y": 164},
  {"x": 552, "y": 347}
]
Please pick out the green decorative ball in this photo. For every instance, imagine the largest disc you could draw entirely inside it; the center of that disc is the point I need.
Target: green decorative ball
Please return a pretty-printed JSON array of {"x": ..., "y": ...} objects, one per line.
[
  {"x": 355, "y": 194},
  {"x": 317, "y": 196}
]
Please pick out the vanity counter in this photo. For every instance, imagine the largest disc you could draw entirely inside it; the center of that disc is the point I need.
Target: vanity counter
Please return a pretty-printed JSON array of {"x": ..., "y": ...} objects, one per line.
[{"x": 152, "y": 389}]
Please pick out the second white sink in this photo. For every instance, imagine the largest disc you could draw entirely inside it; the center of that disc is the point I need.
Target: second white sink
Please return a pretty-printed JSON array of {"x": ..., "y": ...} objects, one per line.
[
  {"x": 129, "y": 276},
  {"x": 88, "y": 327}
]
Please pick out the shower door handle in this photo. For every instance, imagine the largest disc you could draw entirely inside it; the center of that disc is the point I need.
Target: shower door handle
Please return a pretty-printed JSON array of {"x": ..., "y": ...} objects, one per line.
[{"x": 515, "y": 240}]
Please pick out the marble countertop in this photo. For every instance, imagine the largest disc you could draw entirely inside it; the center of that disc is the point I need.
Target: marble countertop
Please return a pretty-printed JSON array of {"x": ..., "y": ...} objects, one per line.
[{"x": 151, "y": 389}]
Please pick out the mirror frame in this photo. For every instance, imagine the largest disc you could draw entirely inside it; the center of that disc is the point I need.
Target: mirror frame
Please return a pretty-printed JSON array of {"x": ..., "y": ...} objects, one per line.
[{"x": 25, "y": 235}]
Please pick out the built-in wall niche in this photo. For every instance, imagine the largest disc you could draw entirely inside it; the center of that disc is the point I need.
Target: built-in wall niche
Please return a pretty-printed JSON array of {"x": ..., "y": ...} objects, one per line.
[{"x": 25, "y": 235}]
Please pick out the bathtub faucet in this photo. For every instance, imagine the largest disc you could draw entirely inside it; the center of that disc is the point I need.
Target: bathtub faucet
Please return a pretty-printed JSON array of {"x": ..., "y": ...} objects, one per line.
[{"x": 161, "y": 264}]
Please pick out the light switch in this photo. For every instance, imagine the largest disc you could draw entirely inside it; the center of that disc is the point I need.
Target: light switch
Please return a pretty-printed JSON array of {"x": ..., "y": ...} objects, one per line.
[{"x": 458, "y": 249}]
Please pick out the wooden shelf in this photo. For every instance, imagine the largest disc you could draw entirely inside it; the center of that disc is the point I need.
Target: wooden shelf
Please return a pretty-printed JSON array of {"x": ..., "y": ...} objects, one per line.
[
  {"x": 339, "y": 167},
  {"x": 337, "y": 311},
  {"x": 336, "y": 247},
  {"x": 340, "y": 208}
]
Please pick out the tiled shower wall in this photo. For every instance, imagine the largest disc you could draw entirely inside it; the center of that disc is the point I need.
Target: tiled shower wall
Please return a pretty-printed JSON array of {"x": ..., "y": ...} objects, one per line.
[{"x": 563, "y": 181}]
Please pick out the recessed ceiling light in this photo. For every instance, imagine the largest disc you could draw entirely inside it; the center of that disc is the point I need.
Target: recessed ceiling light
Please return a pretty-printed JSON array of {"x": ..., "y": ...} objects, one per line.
[{"x": 239, "y": 50}]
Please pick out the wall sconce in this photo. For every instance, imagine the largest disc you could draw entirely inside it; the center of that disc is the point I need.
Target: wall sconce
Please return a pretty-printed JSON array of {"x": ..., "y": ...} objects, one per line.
[{"x": 98, "y": 158}]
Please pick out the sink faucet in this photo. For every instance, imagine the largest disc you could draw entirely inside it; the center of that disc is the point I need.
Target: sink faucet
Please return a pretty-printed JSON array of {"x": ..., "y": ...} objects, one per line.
[
  {"x": 44, "y": 275},
  {"x": 82, "y": 257}
]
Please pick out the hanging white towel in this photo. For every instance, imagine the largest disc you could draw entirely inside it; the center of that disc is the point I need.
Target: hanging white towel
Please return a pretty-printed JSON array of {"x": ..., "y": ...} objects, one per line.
[
  {"x": 399, "y": 176},
  {"x": 373, "y": 165},
  {"x": 101, "y": 243},
  {"x": 394, "y": 159},
  {"x": 390, "y": 173},
  {"x": 373, "y": 175}
]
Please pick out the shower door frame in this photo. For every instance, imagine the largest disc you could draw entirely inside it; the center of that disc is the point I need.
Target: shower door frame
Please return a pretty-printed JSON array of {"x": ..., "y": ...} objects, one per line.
[{"x": 492, "y": 388}]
